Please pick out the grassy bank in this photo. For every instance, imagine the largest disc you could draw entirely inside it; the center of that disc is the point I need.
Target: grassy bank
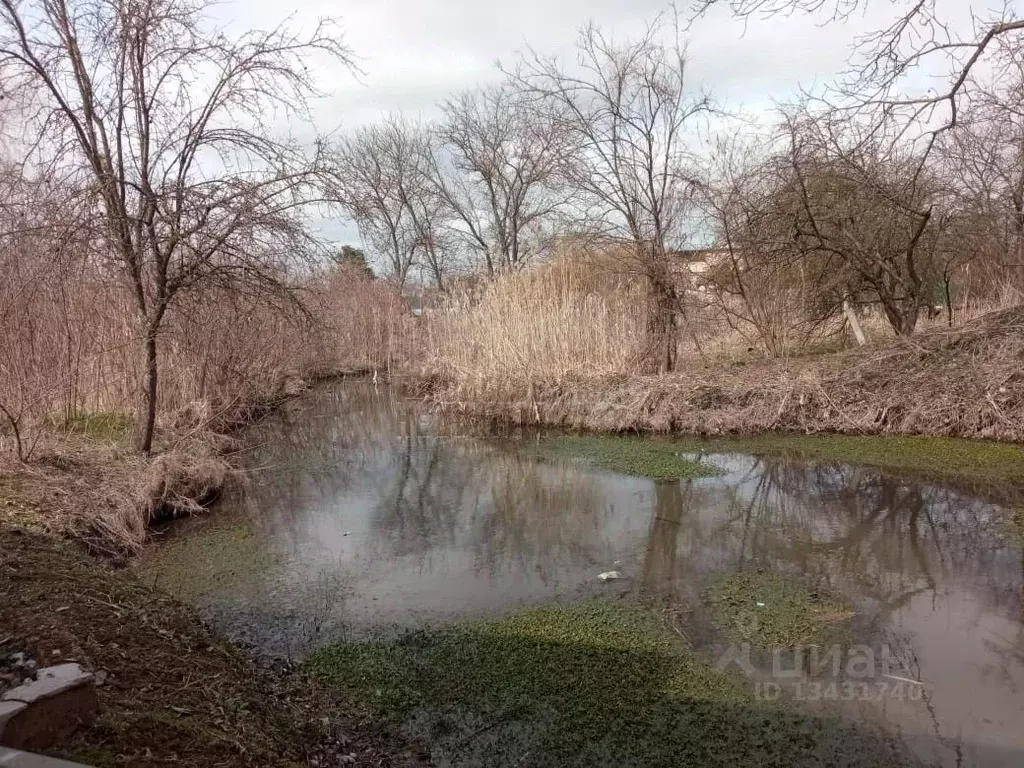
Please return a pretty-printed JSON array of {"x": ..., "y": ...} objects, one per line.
[
  {"x": 967, "y": 382},
  {"x": 601, "y": 682},
  {"x": 85, "y": 481},
  {"x": 173, "y": 693}
]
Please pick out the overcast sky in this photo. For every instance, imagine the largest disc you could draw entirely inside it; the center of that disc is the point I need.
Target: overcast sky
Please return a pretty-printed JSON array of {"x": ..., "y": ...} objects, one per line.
[{"x": 416, "y": 52}]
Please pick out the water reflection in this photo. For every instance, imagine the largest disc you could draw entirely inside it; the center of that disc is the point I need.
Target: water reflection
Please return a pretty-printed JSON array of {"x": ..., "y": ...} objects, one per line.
[
  {"x": 661, "y": 572},
  {"x": 369, "y": 515}
]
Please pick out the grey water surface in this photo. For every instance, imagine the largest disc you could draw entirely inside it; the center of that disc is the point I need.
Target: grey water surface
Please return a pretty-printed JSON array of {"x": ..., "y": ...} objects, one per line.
[{"x": 361, "y": 515}]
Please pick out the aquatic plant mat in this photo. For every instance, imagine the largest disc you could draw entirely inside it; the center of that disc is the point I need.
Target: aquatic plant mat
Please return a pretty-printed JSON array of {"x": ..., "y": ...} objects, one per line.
[
  {"x": 770, "y": 610},
  {"x": 601, "y": 682},
  {"x": 661, "y": 460},
  {"x": 173, "y": 693}
]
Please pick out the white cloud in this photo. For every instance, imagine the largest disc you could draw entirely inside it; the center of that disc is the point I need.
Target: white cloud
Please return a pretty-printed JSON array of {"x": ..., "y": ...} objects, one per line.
[{"x": 417, "y": 52}]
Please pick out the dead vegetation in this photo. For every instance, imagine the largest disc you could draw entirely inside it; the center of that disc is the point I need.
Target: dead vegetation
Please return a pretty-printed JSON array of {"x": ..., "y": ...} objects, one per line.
[
  {"x": 105, "y": 495},
  {"x": 964, "y": 382},
  {"x": 86, "y": 482}
]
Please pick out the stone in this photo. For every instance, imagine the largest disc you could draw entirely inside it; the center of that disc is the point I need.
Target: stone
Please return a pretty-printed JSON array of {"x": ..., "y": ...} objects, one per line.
[
  {"x": 10, "y": 758},
  {"x": 39, "y": 712},
  {"x": 8, "y": 709}
]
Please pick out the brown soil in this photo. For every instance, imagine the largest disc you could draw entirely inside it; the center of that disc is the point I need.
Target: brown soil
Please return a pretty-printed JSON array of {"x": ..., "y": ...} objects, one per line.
[
  {"x": 967, "y": 382},
  {"x": 173, "y": 693}
]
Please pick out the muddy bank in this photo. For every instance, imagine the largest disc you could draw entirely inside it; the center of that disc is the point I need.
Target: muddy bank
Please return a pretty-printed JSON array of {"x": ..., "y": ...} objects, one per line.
[
  {"x": 172, "y": 692},
  {"x": 967, "y": 382}
]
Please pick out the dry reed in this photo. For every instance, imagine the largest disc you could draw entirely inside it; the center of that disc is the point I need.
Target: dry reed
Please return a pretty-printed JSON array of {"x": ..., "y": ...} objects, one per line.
[
  {"x": 538, "y": 327},
  {"x": 963, "y": 382}
]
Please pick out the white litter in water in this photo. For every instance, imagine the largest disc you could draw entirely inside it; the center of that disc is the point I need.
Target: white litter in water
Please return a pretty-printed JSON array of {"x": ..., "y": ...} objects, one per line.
[
  {"x": 760, "y": 605},
  {"x": 609, "y": 576}
]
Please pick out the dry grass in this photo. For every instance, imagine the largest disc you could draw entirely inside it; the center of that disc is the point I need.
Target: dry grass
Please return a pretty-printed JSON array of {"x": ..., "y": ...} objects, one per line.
[
  {"x": 79, "y": 354},
  {"x": 559, "y": 345},
  {"x": 539, "y": 327},
  {"x": 964, "y": 382},
  {"x": 367, "y": 323},
  {"x": 103, "y": 494},
  {"x": 79, "y": 490}
]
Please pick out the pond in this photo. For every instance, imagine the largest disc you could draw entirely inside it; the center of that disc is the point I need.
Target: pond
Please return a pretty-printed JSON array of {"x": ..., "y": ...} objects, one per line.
[{"x": 363, "y": 519}]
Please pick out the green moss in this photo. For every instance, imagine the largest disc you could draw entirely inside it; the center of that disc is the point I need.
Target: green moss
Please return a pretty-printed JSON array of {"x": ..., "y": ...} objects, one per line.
[
  {"x": 638, "y": 456},
  {"x": 774, "y": 611},
  {"x": 600, "y": 682},
  {"x": 223, "y": 557},
  {"x": 940, "y": 457},
  {"x": 108, "y": 426}
]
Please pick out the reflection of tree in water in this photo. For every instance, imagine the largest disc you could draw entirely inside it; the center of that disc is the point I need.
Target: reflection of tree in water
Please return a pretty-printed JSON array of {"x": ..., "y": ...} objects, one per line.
[
  {"x": 420, "y": 481},
  {"x": 319, "y": 448},
  {"x": 890, "y": 538},
  {"x": 510, "y": 512},
  {"x": 661, "y": 573},
  {"x": 539, "y": 516},
  {"x": 424, "y": 489},
  {"x": 880, "y": 539}
]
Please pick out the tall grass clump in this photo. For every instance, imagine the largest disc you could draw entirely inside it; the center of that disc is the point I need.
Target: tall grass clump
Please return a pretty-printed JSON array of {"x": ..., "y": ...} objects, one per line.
[
  {"x": 555, "y": 323},
  {"x": 367, "y": 323}
]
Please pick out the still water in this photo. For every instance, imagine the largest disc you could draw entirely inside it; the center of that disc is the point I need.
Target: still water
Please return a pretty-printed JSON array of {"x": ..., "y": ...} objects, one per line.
[{"x": 362, "y": 516}]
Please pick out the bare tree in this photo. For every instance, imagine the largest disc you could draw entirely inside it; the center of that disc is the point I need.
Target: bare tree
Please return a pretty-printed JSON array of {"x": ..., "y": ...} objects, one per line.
[
  {"x": 960, "y": 117},
  {"x": 167, "y": 123},
  {"x": 379, "y": 175},
  {"x": 983, "y": 159},
  {"x": 498, "y": 173},
  {"x": 625, "y": 110},
  {"x": 865, "y": 213},
  {"x": 918, "y": 38},
  {"x": 763, "y": 285},
  {"x": 364, "y": 179}
]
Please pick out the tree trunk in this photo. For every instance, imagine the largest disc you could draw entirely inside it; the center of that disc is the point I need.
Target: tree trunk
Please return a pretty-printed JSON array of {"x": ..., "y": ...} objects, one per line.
[
  {"x": 902, "y": 315},
  {"x": 851, "y": 318},
  {"x": 19, "y": 446},
  {"x": 948, "y": 289},
  {"x": 149, "y": 413},
  {"x": 661, "y": 321},
  {"x": 908, "y": 321}
]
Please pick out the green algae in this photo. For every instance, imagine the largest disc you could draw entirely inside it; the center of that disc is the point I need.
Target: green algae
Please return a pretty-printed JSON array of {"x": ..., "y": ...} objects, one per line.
[
  {"x": 770, "y": 610},
  {"x": 641, "y": 457},
  {"x": 600, "y": 682},
  {"x": 226, "y": 557},
  {"x": 933, "y": 457}
]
